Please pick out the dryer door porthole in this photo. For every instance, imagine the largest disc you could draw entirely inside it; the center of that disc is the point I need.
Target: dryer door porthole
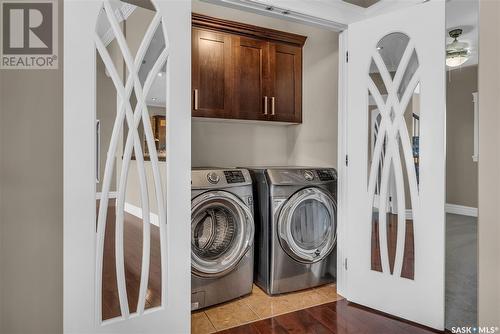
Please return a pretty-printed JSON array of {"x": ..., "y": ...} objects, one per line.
[
  {"x": 307, "y": 225},
  {"x": 222, "y": 231}
]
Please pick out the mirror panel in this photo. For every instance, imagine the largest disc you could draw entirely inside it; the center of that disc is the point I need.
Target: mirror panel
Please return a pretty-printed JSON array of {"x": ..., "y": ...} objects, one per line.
[
  {"x": 131, "y": 85},
  {"x": 393, "y": 154}
]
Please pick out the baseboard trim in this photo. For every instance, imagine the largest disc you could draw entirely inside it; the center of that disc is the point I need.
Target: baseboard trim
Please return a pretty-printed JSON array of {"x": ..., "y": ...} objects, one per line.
[
  {"x": 461, "y": 210},
  {"x": 451, "y": 208},
  {"x": 137, "y": 212},
  {"x": 111, "y": 195}
]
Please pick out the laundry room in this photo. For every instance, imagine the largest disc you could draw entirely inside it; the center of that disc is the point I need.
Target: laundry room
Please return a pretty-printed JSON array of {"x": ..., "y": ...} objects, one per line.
[
  {"x": 267, "y": 138},
  {"x": 250, "y": 128}
]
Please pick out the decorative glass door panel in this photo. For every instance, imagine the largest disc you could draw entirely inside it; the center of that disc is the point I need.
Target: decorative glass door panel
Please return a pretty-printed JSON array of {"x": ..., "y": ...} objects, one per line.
[
  {"x": 131, "y": 94},
  {"x": 396, "y": 163},
  {"x": 393, "y": 95},
  {"x": 121, "y": 275}
]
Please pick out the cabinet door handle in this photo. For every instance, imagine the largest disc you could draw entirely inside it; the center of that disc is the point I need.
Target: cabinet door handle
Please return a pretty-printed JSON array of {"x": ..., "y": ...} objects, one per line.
[
  {"x": 265, "y": 105},
  {"x": 196, "y": 99},
  {"x": 273, "y": 109}
]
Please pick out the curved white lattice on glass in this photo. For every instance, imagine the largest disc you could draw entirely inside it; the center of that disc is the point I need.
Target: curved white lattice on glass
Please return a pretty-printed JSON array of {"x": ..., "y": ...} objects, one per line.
[
  {"x": 133, "y": 119},
  {"x": 391, "y": 132}
]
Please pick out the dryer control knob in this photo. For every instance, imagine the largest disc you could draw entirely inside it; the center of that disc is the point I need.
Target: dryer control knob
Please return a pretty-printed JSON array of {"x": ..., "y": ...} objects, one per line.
[
  {"x": 213, "y": 178},
  {"x": 308, "y": 175}
]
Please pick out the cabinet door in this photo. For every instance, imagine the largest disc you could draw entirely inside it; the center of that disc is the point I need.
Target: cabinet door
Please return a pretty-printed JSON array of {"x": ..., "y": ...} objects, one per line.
[
  {"x": 251, "y": 77},
  {"x": 211, "y": 73},
  {"x": 285, "y": 103}
]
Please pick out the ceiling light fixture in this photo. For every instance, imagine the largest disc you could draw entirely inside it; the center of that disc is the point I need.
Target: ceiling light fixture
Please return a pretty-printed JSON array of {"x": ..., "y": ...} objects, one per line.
[{"x": 457, "y": 53}]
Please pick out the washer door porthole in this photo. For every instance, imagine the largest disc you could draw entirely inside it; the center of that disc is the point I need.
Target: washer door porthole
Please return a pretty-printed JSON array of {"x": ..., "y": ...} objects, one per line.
[
  {"x": 222, "y": 231},
  {"x": 307, "y": 225}
]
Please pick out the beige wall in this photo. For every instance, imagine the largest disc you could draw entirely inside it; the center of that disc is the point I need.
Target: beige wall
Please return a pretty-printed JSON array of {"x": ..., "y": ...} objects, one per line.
[
  {"x": 489, "y": 164},
  {"x": 106, "y": 114},
  {"x": 31, "y": 220},
  {"x": 461, "y": 171},
  {"x": 314, "y": 142},
  {"x": 237, "y": 144}
]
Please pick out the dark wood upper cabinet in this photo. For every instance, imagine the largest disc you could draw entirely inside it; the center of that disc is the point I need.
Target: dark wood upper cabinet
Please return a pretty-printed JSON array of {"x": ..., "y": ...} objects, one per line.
[
  {"x": 250, "y": 78},
  {"x": 286, "y": 83},
  {"x": 211, "y": 74},
  {"x": 245, "y": 72}
]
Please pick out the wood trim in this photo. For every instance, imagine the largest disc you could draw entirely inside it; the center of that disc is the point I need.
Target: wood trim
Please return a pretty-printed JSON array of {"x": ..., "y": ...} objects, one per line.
[{"x": 208, "y": 22}]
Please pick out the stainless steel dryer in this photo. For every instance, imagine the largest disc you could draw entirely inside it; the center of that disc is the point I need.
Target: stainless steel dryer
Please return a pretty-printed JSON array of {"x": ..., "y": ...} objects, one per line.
[
  {"x": 222, "y": 235},
  {"x": 296, "y": 227}
]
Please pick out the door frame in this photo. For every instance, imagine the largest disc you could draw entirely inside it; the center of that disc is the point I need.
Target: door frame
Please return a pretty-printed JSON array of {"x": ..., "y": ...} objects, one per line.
[{"x": 342, "y": 170}]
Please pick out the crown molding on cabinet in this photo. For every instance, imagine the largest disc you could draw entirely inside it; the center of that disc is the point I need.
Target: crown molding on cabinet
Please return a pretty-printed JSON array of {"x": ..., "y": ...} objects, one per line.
[{"x": 212, "y": 23}]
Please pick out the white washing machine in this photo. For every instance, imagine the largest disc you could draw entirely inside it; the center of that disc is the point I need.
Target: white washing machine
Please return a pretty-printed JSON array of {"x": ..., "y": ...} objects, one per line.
[
  {"x": 296, "y": 227},
  {"x": 222, "y": 236}
]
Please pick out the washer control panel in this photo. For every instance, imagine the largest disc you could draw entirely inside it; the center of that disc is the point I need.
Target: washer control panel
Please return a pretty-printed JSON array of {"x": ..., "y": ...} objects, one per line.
[
  {"x": 213, "y": 177},
  {"x": 234, "y": 176}
]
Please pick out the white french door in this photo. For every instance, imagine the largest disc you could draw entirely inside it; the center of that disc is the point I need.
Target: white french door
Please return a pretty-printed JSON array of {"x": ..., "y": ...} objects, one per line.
[
  {"x": 396, "y": 170},
  {"x": 127, "y": 166}
]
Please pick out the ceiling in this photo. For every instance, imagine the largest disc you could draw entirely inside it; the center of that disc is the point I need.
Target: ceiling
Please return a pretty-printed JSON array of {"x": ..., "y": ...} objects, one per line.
[
  {"x": 464, "y": 14},
  {"x": 330, "y": 14}
]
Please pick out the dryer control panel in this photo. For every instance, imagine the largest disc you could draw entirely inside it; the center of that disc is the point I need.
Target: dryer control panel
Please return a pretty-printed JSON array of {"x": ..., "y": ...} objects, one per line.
[
  {"x": 326, "y": 174},
  {"x": 301, "y": 176}
]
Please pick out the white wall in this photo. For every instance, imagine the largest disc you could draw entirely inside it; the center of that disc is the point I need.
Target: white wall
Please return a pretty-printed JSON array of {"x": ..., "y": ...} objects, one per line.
[{"x": 314, "y": 142}]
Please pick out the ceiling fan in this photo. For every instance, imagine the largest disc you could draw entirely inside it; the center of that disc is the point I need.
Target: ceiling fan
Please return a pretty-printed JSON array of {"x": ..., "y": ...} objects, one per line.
[{"x": 457, "y": 53}]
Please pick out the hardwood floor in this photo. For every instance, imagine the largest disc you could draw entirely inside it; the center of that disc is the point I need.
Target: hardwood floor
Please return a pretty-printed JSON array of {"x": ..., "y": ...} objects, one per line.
[
  {"x": 408, "y": 270},
  {"x": 133, "y": 260},
  {"x": 339, "y": 317}
]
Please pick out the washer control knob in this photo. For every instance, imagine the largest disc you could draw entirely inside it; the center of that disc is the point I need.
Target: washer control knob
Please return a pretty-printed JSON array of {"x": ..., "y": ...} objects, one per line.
[
  {"x": 308, "y": 175},
  {"x": 213, "y": 178}
]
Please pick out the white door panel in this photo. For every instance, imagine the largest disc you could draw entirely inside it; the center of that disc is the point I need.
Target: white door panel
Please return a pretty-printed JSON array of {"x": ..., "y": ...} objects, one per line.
[
  {"x": 145, "y": 149},
  {"x": 396, "y": 175}
]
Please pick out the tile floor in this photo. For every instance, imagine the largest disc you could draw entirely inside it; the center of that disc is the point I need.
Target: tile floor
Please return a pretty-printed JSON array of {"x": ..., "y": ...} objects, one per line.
[{"x": 257, "y": 306}]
